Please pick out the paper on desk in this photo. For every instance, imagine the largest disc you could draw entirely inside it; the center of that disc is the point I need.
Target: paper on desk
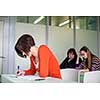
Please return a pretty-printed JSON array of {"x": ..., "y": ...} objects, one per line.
[{"x": 30, "y": 77}]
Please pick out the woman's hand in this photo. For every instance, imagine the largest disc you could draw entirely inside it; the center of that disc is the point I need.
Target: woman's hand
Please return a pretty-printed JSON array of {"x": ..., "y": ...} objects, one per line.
[
  {"x": 78, "y": 56},
  {"x": 84, "y": 70},
  {"x": 20, "y": 73}
]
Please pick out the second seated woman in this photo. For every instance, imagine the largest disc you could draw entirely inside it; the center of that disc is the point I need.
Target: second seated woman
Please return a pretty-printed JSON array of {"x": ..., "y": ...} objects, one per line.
[{"x": 70, "y": 60}]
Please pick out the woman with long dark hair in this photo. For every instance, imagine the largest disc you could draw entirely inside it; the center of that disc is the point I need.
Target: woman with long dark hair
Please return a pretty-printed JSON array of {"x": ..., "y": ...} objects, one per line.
[{"x": 90, "y": 61}]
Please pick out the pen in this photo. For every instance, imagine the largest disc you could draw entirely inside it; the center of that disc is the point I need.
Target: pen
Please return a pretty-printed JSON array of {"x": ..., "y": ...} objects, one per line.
[
  {"x": 39, "y": 79},
  {"x": 18, "y": 70}
]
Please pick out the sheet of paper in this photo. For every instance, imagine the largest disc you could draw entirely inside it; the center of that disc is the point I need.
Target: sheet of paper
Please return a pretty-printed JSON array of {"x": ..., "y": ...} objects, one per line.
[{"x": 30, "y": 77}]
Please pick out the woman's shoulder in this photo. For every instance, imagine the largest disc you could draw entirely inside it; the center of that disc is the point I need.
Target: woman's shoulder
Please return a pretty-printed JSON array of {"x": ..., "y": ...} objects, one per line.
[
  {"x": 43, "y": 48},
  {"x": 95, "y": 58}
]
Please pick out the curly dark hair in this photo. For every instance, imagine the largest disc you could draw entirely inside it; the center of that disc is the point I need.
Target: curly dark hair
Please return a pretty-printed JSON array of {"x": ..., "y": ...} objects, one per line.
[
  {"x": 24, "y": 43},
  {"x": 72, "y": 50}
]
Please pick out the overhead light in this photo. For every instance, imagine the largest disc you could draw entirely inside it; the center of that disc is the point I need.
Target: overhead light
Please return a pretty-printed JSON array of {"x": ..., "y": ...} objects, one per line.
[
  {"x": 64, "y": 23},
  {"x": 38, "y": 20}
]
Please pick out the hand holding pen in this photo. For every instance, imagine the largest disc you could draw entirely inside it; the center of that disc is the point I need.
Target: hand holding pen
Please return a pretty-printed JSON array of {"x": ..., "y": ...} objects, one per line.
[{"x": 20, "y": 72}]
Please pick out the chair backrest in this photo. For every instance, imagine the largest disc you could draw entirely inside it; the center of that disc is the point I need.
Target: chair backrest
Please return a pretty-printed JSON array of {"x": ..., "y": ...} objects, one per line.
[
  {"x": 92, "y": 77},
  {"x": 80, "y": 77},
  {"x": 69, "y": 74}
]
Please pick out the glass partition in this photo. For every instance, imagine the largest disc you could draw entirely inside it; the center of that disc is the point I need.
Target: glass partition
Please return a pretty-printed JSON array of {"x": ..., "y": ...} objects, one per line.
[
  {"x": 86, "y": 32},
  {"x": 60, "y": 35}
]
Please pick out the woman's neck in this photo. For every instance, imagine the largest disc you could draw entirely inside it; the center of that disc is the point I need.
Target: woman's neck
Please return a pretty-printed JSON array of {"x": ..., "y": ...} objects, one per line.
[{"x": 34, "y": 51}]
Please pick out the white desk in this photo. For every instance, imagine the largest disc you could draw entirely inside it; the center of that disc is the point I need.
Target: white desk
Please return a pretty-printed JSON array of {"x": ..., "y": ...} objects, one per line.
[{"x": 9, "y": 78}]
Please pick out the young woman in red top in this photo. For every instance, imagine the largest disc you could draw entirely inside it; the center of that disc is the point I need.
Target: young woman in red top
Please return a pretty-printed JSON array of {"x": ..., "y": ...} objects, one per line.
[{"x": 47, "y": 63}]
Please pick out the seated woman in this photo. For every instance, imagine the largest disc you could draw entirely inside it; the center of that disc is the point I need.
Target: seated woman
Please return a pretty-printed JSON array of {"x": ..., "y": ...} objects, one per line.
[
  {"x": 70, "y": 60},
  {"x": 90, "y": 61},
  {"x": 42, "y": 57}
]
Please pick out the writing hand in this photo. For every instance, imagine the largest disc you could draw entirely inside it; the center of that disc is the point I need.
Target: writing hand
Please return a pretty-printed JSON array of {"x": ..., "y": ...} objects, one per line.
[
  {"x": 20, "y": 73},
  {"x": 84, "y": 70}
]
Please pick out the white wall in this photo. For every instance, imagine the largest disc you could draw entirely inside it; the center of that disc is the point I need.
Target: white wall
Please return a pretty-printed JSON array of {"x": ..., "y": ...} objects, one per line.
[
  {"x": 60, "y": 40},
  {"x": 87, "y": 38}
]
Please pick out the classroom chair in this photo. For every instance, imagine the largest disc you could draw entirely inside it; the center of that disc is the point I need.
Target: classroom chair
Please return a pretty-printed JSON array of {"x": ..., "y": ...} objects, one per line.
[
  {"x": 92, "y": 77},
  {"x": 69, "y": 74}
]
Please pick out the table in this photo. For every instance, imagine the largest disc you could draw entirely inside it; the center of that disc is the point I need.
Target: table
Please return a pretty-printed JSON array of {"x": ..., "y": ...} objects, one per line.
[{"x": 11, "y": 78}]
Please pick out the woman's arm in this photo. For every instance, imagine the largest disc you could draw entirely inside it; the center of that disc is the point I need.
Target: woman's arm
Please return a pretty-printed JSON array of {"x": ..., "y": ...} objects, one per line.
[
  {"x": 95, "y": 64},
  {"x": 78, "y": 58},
  {"x": 79, "y": 63},
  {"x": 63, "y": 64},
  {"x": 80, "y": 66},
  {"x": 32, "y": 69},
  {"x": 43, "y": 61}
]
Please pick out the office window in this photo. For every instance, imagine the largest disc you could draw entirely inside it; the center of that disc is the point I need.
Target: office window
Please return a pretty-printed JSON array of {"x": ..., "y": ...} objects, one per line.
[
  {"x": 31, "y": 19},
  {"x": 86, "y": 33},
  {"x": 61, "y": 21},
  {"x": 86, "y": 22},
  {"x": 60, "y": 35}
]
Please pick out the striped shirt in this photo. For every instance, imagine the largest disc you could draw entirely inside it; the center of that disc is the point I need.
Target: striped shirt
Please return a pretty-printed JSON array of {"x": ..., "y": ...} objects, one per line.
[{"x": 95, "y": 65}]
